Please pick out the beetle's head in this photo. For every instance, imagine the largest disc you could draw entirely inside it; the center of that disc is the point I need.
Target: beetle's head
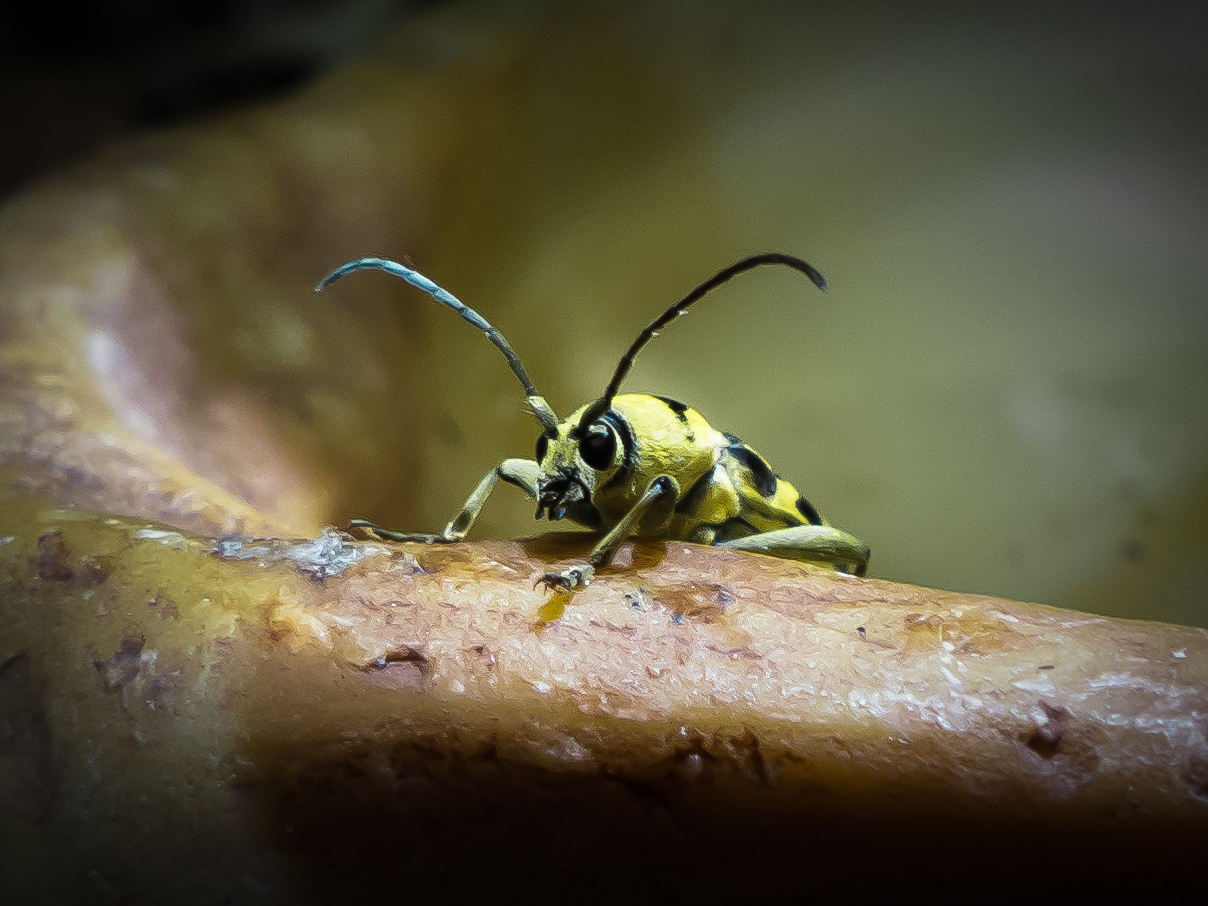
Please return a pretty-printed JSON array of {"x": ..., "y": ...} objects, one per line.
[{"x": 576, "y": 461}]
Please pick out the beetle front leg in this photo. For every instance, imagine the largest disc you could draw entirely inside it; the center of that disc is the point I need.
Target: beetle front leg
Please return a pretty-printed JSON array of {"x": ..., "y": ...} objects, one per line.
[
  {"x": 823, "y": 544},
  {"x": 663, "y": 490},
  {"x": 523, "y": 473}
]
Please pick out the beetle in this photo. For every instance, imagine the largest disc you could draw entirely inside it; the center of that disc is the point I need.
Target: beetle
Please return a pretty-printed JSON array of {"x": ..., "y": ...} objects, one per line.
[{"x": 638, "y": 463}]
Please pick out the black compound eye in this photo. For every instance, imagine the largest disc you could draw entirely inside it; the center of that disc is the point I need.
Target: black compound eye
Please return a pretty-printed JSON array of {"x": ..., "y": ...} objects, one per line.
[
  {"x": 597, "y": 449},
  {"x": 542, "y": 446}
]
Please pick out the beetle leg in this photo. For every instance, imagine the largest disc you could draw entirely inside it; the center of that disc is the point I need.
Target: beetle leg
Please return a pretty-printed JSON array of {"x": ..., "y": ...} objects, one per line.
[
  {"x": 523, "y": 473},
  {"x": 823, "y": 544},
  {"x": 664, "y": 489}
]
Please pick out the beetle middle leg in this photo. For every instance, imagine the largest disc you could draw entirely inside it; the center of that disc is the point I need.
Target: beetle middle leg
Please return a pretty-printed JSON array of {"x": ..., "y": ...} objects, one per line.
[{"x": 524, "y": 473}]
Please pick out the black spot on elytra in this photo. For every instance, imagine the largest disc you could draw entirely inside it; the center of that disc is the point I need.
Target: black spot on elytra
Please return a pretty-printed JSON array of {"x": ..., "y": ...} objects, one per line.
[
  {"x": 762, "y": 475},
  {"x": 806, "y": 509},
  {"x": 695, "y": 495}
]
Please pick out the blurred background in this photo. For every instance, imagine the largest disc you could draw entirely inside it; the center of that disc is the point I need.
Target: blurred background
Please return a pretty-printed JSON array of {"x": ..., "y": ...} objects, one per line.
[{"x": 1004, "y": 390}]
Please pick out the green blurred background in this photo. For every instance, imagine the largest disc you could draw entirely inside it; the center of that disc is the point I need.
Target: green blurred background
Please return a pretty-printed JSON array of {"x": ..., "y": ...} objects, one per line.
[{"x": 1004, "y": 390}]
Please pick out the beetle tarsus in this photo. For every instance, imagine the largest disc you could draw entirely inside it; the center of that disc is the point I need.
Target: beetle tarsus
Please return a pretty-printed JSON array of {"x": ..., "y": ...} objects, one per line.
[{"x": 573, "y": 578}]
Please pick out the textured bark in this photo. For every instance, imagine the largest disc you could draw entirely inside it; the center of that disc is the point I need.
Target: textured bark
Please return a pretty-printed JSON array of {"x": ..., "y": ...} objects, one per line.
[{"x": 190, "y": 717}]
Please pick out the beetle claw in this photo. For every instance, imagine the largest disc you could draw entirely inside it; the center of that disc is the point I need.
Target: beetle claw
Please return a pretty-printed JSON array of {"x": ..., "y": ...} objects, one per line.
[{"x": 571, "y": 579}]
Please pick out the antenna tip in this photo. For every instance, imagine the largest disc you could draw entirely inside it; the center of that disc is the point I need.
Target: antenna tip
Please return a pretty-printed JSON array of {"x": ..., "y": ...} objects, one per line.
[{"x": 332, "y": 277}]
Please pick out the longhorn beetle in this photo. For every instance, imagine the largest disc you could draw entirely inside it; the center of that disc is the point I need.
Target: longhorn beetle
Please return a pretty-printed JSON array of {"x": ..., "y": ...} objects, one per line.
[{"x": 640, "y": 463}]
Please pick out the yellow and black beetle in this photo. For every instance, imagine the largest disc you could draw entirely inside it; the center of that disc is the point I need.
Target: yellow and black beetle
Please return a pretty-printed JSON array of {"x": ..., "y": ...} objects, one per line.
[{"x": 642, "y": 464}]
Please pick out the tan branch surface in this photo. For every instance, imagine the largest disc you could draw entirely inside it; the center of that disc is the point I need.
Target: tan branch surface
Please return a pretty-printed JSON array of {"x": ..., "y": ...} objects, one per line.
[{"x": 330, "y": 713}]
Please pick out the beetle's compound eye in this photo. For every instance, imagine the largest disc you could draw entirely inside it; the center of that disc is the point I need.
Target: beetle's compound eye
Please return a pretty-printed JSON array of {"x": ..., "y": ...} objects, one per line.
[
  {"x": 542, "y": 447},
  {"x": 598, "y": 446}
]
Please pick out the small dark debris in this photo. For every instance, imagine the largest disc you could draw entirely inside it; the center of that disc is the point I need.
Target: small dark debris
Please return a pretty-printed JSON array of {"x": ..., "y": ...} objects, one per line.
[
  {"x": 1046, "y": 739},
  {"x": 165, "y": 607},
  {"x": 485, "y": 652},
  {"x": 1045, "y": 667},
  {"x": 56, "y": 563},
  {"x": 723, "y": 597},
  {"x": 1044, "y": 742},
  {"x": 123, "y": 666},
  {"x": 698, "y": 602},
  {"x": 863, "y": 634}
]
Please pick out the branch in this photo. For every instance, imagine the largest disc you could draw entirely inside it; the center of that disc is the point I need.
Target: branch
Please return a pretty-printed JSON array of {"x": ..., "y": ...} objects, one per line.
[{"x": 404, "y": 707}]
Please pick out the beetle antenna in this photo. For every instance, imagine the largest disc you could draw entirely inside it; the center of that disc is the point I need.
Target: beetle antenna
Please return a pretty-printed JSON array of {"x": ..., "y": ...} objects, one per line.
[
  {"x": 600, "y": 406},
  {"x": 541, "y": 409}
]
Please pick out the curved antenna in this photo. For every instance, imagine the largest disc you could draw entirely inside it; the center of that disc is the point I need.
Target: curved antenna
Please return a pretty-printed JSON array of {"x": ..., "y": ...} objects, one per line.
[
  {"x": 600, "y": 406},
  {"x": 536, "y": 402}
]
